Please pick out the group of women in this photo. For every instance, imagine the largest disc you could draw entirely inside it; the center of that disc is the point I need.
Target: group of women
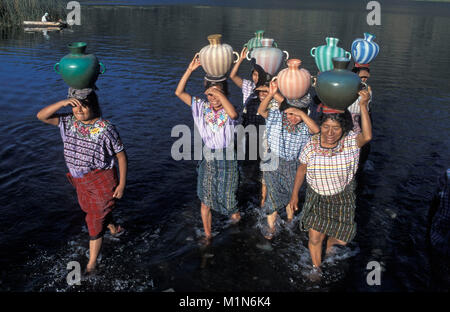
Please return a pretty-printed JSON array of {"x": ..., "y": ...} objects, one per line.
[{"x": 311, "y": 142}]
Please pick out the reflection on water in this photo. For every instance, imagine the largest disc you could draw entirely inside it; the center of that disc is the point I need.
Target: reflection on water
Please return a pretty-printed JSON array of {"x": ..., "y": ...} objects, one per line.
[{"x": 146, "y": 50}]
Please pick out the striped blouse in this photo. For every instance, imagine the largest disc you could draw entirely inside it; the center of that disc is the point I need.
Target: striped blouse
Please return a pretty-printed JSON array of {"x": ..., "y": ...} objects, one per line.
[
  {"x": 355, "y": 110},
  {"x": 88, "y": 147},
  {"x": 248, "y": 87},
  {"x": 329, "y": 171}
]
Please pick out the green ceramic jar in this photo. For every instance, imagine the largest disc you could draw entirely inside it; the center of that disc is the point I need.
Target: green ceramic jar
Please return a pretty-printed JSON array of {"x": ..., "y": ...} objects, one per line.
[
  {"x": 324, "y": 54},
  {"x": 338, "y": 88},
  {"x": 79, "y": 69},
  {"x": 255, "y": 42}
]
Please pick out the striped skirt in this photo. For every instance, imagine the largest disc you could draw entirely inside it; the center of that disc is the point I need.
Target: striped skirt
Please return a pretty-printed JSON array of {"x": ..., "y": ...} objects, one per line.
[
  {"x": 217, "y": 184},
  {"x": 280, "y": 183},
  {"x": 331, "y": 215}
]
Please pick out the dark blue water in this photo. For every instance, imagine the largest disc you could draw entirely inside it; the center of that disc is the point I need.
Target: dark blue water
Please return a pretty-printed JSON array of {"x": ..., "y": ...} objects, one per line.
[{"x": 146, "y": 50}]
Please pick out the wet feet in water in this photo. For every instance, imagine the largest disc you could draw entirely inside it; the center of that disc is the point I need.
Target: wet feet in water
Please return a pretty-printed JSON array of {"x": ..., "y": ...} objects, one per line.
[
  {"x": 334, "y": 251},
  {"x": 315, "y": 275},
  {"x": 90, "y": 272},
  {"x": 205, "y": 241},
  {"x": 235, "y": 218},
  {"x": 116, "y": 231},
  {"x": 270, "y": 233}
]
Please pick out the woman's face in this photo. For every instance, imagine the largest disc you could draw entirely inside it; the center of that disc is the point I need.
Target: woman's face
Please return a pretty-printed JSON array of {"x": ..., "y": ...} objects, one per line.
[
  {"x": 82, "y": 113},
  {"x": 255, "y": 76},
  {"x": 262, "y": 94},
  {"x": 213, "y": 100},
  {"x": 331, "y": 132},
  {"x": 364, "y": 75},
  {"x": 293, "y": 119}
]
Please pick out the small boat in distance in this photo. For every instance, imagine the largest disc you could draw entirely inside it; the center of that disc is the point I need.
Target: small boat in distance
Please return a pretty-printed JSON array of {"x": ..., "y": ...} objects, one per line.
[{"x": 59, "y": 24}]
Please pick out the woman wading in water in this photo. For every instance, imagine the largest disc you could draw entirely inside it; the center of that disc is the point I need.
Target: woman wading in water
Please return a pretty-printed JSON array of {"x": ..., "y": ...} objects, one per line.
[
  {"x": 215, "y": 119},
  {"x": 329, "y": 162},
  {"x": 91, "y": 145}
]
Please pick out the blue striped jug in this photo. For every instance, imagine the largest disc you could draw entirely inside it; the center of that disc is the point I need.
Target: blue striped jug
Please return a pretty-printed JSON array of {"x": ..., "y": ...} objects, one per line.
[{"x": 365, "y": 50}]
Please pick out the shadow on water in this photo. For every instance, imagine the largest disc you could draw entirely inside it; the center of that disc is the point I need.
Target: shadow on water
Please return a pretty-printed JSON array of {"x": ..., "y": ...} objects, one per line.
[{"x": 146, "y": 50}]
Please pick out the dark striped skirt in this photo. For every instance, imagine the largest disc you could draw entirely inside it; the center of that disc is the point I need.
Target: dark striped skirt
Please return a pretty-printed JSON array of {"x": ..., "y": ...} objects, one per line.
[
  {"x": 217, "y": 184},
  {"x": 280, "y": 183},
  {"x": 331, "y": 215}
]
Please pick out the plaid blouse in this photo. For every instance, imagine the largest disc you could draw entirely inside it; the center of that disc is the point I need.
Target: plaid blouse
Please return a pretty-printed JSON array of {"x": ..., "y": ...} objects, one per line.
[
  {"x": 329, "y": 171},
  {"x": 283, "y": 143}
]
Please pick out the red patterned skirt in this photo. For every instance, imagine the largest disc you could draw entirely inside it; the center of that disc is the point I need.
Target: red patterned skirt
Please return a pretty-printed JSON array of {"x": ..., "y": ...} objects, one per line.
[{"x": 95, "y": 195}]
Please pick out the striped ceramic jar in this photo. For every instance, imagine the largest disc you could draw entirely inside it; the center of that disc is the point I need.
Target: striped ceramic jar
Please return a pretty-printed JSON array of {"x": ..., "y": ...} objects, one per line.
[
  {"x": 324, "y": 54},
  {"x": 365, "y": 50},
  {"x": 255, "y": 42},
  {"x": 216, "y": 58},
  {"x": 268, "y": 57},
  {"x": 293, "y": 82}
]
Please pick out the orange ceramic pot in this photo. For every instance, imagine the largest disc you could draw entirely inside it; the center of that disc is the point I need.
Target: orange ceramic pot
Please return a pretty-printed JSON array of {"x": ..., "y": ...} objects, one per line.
[{"x": 293, "y": 82}]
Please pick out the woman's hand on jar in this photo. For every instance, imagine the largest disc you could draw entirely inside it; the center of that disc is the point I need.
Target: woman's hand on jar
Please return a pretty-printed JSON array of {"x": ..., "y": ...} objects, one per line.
[
  {"x": 365, "y": 96},
  {"x": 273, "y": 88},
  {"x": 243, "y": 54}
]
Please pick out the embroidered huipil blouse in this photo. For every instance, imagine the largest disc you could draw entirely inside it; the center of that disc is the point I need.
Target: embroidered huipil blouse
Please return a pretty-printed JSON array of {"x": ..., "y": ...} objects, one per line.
[
  {"x": 88, "y": 146},
  {"x": 215, "y": 127}
]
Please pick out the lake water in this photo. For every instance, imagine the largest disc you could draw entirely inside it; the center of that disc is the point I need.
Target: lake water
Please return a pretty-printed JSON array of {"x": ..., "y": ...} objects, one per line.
[{"x": 146, "y": 49}]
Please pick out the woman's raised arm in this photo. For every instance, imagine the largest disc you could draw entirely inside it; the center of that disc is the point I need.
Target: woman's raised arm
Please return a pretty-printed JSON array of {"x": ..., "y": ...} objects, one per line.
[
  {"x": 233, "y": 74},
  {"x": 366, "y": 134},
  {"x": 47, "y": 114},
  {"x": 180, "y": 92}
]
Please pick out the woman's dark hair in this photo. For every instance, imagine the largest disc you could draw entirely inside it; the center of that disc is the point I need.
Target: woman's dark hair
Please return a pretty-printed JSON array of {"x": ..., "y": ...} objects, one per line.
[
  {"x": 222, "y": 84},
  {"x": 91, "y": 101},
  {"x": 285, "y": 105},
  {"x": 344, "y": 119},
  {"x": 358, "y": 69}
]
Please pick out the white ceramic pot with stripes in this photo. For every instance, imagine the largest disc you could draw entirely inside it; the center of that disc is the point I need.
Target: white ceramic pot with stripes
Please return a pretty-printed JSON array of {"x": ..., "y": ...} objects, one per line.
[
  {"x": 268, "y": 57},
  {"x": 365, "y": 50},
  {"x": 293, "y": 82},
  {"x": 324, "y": 54},
  {"x": 217, "y": 58}
]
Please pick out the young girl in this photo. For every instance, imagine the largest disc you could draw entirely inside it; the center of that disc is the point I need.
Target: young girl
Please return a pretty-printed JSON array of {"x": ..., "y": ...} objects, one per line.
[
  {"x": 215, "y": 119},
  {"x": 251, "y": 98},
  {"x": 288, "y": 130},
  {"x": 90, "y": 145}
]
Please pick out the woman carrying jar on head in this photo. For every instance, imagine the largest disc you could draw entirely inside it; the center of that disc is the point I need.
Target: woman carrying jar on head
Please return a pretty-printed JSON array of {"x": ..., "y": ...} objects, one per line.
[{"x": 329, "y": 162}]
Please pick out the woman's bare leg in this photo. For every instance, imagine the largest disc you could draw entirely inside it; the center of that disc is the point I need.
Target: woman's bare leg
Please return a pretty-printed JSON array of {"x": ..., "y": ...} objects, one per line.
[
  {"x": 315, "y": 246},
  {"x": 94, "y": 249},
  {"x": 207, "y": 220},
  {"x": 271, "y": 219},
  {"x": 263, "y": 194},
  {"x": 333, "y": 241}
]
